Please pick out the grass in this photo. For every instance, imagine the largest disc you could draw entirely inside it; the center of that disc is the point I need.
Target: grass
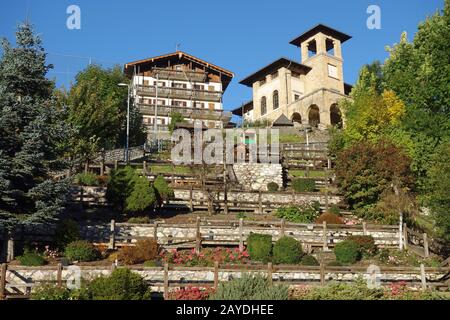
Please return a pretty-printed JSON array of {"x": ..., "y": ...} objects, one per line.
[
  {"x": 312, "y": 173},
  {"x": 291, "y": 138},
  {"x": 169, "y": 169}
]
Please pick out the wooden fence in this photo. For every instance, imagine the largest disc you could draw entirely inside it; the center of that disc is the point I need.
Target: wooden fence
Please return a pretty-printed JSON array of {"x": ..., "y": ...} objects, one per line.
[
  {"x": 234, "y": 233},
  {"x": 166, "y": 278}
]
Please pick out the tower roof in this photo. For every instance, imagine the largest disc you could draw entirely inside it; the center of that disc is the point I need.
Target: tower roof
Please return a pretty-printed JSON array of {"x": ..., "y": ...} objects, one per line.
[{"x": 320, "y": 28}]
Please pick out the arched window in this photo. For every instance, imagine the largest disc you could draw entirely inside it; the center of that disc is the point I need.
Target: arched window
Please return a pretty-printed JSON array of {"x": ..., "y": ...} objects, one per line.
[
  {"x": 314, "y": 116},
  {"x": 276, "y": 102},
  {"x": 263, "y": 106}
]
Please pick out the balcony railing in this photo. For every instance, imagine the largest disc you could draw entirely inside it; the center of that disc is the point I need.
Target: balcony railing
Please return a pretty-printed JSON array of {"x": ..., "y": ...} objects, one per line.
[
  {"x": 187, "y": 112},
  {"x": 183, "y": 75},
  {"x": 180, "y": 93}
]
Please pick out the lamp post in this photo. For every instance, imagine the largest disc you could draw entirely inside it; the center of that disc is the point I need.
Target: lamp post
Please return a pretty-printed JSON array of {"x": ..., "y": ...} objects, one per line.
[{"x": 128, "y": 121}]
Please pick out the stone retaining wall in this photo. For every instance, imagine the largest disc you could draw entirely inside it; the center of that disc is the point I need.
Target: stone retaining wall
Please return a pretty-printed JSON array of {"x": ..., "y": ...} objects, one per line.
[
  {"x": 256, "y": 176},
  {"x": 31, "y": 276}
]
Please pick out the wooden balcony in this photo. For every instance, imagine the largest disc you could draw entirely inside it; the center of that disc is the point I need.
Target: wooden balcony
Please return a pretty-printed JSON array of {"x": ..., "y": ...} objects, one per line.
[
  {"x": 187, "y": 112},
  {"x": 182, "y": 75},
  {"x": 179, "y": 93}
]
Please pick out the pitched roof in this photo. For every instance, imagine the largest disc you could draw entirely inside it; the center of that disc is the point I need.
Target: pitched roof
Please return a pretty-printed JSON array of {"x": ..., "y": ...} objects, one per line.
[
  {"x": 282, "y": 121},
  {"x": 320, "y": 28},
  {"x": 272, "y": 67},
  {"x": 180, "y": 55},
  {"x": 246, "y": 107}
]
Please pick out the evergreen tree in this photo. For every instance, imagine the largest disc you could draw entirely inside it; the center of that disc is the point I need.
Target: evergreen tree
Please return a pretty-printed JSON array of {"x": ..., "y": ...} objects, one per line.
[
  {"x": 142, "y": 197},
  {"x": 32, "y": 136}
]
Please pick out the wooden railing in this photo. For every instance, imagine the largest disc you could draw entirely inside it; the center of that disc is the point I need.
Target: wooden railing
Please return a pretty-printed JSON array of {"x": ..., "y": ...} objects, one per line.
[{"x": 181, "y": 93}]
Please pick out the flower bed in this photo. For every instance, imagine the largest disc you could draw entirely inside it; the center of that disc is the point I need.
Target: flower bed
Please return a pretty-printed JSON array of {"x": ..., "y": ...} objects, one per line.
[{"x": 205, "y": 257}]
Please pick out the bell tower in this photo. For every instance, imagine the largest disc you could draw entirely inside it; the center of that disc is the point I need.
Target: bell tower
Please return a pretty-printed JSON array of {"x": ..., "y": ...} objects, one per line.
[{"x": 321, "y": 49}]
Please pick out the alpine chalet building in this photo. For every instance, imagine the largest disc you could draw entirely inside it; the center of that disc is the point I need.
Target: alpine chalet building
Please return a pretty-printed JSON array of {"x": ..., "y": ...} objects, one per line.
[{"x": 178, "y": 82}]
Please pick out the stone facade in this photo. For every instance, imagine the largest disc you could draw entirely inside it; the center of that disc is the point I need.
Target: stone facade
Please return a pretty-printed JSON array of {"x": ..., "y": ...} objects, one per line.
[
  {"x": 307, "y": 93},
  {"x": 256, "y": 176}
]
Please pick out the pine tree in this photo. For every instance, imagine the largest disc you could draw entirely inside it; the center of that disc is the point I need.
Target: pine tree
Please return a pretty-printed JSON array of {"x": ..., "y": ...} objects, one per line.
[{"x": 32, "y": 134}]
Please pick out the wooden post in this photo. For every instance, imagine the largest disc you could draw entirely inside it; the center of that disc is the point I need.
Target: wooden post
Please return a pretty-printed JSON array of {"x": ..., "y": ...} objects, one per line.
[
  {"x": 324, "y": 236},
  {"x": 4, "y": 267},
  {"x": 283, "y": 228},
  {"x": 216, "y": 275},
  {"x": 113, "y": 267},
  {"x": 116, "y": 164},
  {"x": 322, "y": 273},
  {"x": 155, "y": 231},
  {"x": 10, "y": 247},
  {"x": 425, "y": 245},
  {"x": 198, "y": 236},
  {"x": 364, "y": 225},
  {"x": 260, "y": 202},
  {"x": 144, "y": 167},
  {"x": 225, "y": 197},
  {"x": 269, "y": 272},
  {"x": 59, "y": 275},
  {"x": 405, "y": 237},
  {"x": 423, "y": 277},
  {"x": 112, "y": 235},
  {"x": 166, "y": 281},
  {"x": 241, "y": 235},
  {"x": 191, "y": 205}
]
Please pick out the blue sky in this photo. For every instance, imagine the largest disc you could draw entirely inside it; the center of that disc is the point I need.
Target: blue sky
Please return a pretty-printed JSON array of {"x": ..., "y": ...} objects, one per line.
[{"x": 241, "y": 36}]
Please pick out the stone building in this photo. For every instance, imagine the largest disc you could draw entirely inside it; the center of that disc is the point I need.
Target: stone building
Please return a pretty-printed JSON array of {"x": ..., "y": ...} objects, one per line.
[
  {"x": 305, "y": 92},
  {"x": 178, "y": 82}
]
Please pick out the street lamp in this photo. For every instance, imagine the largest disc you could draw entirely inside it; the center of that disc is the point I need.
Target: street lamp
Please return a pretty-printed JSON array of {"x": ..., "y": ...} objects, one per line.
[{"x": 128, "y": 120}]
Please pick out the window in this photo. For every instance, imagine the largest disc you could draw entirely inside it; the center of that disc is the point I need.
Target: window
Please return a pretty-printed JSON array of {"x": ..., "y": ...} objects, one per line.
[
  {"x": 263, "y": 106},
  {"x": 296, "y": 97},
  {"x": 276, "y": 102},
  {"x": 159, "y": 83},
  {"x": 146, "y": 82},
  {"x": 199, "y": 87},
  {"x": 211, "y": 88},
  {"x": 179, "y": 67},
  {"x": 179, "y": 103},
  {"x": 199, "y": 105},
  {"x": 332, "y": 71},
  {"x": 211, "y": 106},
  {"x": 179, "y": 85}
]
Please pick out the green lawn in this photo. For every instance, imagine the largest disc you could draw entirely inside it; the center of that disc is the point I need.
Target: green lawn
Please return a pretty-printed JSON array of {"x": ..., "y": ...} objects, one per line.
[{"x": 312, "y": 173}]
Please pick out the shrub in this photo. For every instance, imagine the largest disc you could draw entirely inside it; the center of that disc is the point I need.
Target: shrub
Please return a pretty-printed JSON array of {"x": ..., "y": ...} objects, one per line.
[
  {"x": 139, "y": 220},
  {"x": 259, "y": 247},
  {"x": 31, "y": 258},
  {"x": 81, "y": 250},
  {"x": 272, "y": 187},
  {"x": 50, "y": 292},
  {"x": 367, "y": 246},
  {"x": 309, "y": 260},
  {"x": 343, "y": 291},
  {"x": 335, "y": 210},
  {"x": 122, "y": 284},
  {"x": 305, "y": 213},
  {"x": 329, "y": 218},
  {"x": 191, "y": 293},
  {"x": 143, "y": 250},
  {"x": 304, "y": 185},
  {"x": 142, "y": 196},
  {"x": 152, "y": 263},
  {"x": 250, "y": 287},
  {"x": 287, "y": 250},
  {"x": 347, "y": 252},
  {"x": 66, "y": 232},
  {"x": 163, "y": 190},
  {"x": 86, "y": 179}
]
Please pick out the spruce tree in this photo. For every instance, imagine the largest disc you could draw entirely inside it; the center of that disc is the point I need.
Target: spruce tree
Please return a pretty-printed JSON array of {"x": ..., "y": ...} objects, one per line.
[{"x": 32, "y": 134}]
